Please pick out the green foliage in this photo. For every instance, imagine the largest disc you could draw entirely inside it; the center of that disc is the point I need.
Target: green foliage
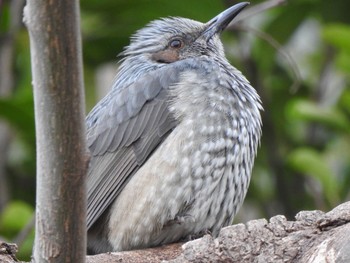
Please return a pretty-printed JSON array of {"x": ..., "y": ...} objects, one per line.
[
  {"x": 4, "y": 18},
  {"x": 338, "y": 35},
  {"x": 25, "y": 250},
  {"x": 311, "y": 163},
  {"x": 19, "y": 112},
  {"x": 301, "y": 109},
  {"x": 14, "y": 217},
  {"x": 107, "y": 26},
  {"x": 288, "y": 19},
  {"x": 344, "y": 101},
  {"x": 304, "y": 134}
]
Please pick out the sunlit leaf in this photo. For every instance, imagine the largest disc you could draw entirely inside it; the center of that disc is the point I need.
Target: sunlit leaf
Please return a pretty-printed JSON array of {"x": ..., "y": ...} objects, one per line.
[
  {"x": 337, "y": 35},
  {"x": 345, "y": 100},
  {"x": 309, "y": 111},
  {"x": 14, "y": 217},
  {"x": 343, "y": 61},
  {"x": 311, "y": 163}
]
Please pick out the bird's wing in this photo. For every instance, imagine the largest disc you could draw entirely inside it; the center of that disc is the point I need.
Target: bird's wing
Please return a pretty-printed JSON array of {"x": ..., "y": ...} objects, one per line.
[{"x": 122, "y": 131}]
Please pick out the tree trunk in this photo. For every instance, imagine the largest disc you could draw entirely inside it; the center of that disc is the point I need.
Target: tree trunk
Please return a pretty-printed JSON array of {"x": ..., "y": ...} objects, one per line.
[{"x": 62, "y": 157}]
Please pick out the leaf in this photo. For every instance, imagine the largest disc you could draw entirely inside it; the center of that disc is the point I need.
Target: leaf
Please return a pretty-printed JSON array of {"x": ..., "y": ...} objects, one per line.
[
  {"x": 342, "y": 61},
  {"x": 337, "y": 35},
  {"x": 310, "y": 162},
  {"x": 345, "y": 100},
  {"x": 14, "y": 217},
  {"x": 309, "y": 111}
]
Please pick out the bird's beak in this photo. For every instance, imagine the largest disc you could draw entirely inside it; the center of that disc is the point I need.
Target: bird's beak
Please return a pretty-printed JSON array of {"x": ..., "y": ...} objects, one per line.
[{"x": 221, "y": 21}]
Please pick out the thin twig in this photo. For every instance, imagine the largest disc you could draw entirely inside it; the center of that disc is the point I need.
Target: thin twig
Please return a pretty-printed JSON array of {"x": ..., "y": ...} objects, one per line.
[
  {"x": 257, "y": 9},
  {"x": 275, "y": 44}
]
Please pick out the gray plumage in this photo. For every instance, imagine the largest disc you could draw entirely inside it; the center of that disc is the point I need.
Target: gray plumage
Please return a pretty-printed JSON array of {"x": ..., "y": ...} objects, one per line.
[{"x": 173, "y": 143}]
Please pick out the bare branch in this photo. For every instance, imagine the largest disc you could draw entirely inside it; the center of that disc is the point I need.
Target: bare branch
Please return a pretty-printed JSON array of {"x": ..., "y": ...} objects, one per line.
[{"x": 62, "y": 157}]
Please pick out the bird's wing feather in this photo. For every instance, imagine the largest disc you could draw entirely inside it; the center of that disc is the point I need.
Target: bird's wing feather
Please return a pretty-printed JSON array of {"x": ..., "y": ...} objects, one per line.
[{"x": 122, "y": 131}]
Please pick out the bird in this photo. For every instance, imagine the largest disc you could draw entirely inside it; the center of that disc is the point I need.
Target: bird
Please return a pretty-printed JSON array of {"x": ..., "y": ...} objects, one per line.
[{"x": 173, "y": 143}]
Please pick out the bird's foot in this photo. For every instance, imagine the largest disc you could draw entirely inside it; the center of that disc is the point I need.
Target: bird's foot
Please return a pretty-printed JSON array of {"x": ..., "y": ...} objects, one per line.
[{"x": 198, "y": 235}]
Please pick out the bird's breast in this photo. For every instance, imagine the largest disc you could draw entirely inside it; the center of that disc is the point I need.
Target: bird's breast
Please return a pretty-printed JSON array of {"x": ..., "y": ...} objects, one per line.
[
  {"x": 197, "y": 178},
  {"x": 218, "y": 135}
]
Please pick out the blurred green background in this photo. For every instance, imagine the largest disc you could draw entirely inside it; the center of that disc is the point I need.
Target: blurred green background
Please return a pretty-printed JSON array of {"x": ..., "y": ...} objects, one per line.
[{"x": 297, "y": 55}]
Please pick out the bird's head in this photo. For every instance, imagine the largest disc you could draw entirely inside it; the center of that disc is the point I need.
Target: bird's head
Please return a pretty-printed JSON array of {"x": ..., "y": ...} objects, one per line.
[{"x": 172, "y": 39}]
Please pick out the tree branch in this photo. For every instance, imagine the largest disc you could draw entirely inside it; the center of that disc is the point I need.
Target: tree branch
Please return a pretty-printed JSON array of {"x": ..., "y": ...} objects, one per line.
[
  {"x": 313, "y": 237},
  {"x": 62, "y": 158}
]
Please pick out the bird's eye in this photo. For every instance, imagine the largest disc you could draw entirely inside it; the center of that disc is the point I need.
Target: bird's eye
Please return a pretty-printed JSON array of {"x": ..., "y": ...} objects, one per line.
[{"x": 175, "y": 43}]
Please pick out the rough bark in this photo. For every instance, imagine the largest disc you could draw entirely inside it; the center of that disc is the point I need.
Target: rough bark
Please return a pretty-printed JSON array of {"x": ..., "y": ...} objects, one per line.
[
  {"x": 314, "y": 237},
  {"x": 8, "y": 253},
  {"x": 62, "y": 158}
]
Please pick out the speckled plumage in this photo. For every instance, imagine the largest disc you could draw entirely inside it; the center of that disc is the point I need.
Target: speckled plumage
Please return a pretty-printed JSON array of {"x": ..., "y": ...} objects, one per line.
[{"x": 173, "y": 143}]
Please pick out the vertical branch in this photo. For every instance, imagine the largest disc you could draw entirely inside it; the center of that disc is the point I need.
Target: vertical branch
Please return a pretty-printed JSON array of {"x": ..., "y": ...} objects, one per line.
[{"x": 62, "y": 160}]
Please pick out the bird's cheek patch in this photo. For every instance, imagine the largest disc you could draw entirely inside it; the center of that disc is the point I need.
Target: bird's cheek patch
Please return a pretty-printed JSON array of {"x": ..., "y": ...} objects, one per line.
[{"x": 166, "y": 56}]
